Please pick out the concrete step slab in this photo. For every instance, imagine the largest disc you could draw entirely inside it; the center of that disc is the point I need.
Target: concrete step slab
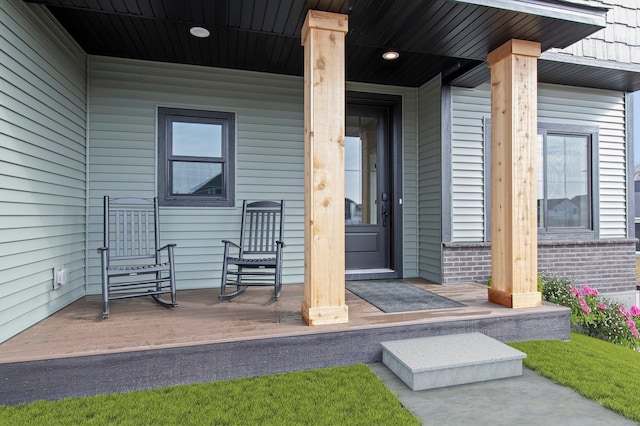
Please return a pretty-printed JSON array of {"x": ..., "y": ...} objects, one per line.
[{"x": 455, "y": 359}]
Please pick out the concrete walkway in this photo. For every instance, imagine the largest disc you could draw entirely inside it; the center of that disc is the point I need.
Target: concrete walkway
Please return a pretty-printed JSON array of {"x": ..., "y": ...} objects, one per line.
[{"x": 526, "y": 400}]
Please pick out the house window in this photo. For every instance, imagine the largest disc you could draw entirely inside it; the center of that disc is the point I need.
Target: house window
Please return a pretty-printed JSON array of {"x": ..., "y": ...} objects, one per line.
[
  {"x": 195, "y": 157},
  {"x": 567, "y": 179},
  {"x": 634, "y": 108},
  {"x": 564, "y": 180}
]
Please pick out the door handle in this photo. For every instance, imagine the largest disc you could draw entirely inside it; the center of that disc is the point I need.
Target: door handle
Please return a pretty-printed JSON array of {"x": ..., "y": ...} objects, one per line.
[{"x": 385, "y": 215}]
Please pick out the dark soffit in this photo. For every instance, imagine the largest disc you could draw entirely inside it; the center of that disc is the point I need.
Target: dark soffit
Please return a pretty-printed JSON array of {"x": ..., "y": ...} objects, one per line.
[
  {"x": 433, "y": 36},
  {"x": 580, "y": 73}
]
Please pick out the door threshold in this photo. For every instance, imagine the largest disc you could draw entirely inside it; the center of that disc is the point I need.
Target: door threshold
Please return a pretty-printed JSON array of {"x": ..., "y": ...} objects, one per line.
[
  {"x": 368, "y": 271},
  {"x": 370, "y": 274}
]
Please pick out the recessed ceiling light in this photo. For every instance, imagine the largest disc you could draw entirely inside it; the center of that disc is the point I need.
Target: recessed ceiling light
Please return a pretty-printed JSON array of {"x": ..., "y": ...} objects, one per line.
[
  {"x": 199, "y": 32},
  {"x": 390, "y": 55}
]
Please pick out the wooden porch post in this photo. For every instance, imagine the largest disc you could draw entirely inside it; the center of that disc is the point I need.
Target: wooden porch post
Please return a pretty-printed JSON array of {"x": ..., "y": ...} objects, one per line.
[
  {"x": 514, "y": 238},
  {"x": 324, "y": 115}
]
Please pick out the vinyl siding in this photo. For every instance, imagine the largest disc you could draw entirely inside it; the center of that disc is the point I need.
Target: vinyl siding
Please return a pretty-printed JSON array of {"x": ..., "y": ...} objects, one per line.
[
  {"x": 469, "y": 107},
  {"x": 430, "y": 180},
  {"x": 124, "y": 96},
  {"x": 42, "y": 165},
  {"x": 556, "y": 104}
]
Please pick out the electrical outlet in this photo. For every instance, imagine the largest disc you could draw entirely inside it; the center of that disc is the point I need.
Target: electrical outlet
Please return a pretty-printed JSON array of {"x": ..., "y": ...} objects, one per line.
[
  {"x": 55, "y": 278},
  {"x": 60, "y": 277}
]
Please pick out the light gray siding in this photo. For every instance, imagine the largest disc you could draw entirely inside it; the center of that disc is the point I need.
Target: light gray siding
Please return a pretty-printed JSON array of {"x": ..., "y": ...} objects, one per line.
[
  {"x": 124, "y": 96},
  {"x": 469, "y": 107},
  {"x": 42, "y": 165},
  {"x": 556, "y": 104},
  {"x": 430, "y": 180}
]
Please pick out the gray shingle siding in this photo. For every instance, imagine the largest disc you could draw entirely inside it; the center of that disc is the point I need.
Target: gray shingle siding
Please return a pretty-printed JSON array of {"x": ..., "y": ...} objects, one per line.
[{"x": 619, "y": 42}]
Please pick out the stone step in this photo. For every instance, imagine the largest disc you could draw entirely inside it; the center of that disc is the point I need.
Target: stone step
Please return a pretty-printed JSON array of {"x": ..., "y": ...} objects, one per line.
[{"x": 455, "y": 359}]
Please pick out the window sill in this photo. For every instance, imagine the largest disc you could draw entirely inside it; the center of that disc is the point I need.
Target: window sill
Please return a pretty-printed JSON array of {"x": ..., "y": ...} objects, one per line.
[
  {"x": 195, "y": 203},
  {"x": 544, "y": 235}
]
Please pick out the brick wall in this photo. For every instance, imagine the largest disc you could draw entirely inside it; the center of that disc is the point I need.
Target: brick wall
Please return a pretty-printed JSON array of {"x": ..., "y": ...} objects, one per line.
[{"x": 608, "y": 265}]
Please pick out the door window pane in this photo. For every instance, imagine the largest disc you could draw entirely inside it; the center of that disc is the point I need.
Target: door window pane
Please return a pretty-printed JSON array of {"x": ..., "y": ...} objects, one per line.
[{"x": 360, "y": 173}]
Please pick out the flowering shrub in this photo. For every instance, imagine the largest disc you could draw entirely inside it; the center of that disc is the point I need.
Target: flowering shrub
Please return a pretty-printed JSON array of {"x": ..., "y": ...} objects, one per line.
[{"x": 592, "y": 314}]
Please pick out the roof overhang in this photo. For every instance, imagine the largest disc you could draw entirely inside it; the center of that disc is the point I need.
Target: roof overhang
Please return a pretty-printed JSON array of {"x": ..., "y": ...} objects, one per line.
[
  {"x": 448, "y": 37},
  {"x": 568, "y": 70}
]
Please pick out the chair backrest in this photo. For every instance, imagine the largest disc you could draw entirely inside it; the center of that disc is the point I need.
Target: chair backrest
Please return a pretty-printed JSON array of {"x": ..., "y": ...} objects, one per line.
[
  {"x": 131, "y": 228},
  {"x": 262, "y": 225}
]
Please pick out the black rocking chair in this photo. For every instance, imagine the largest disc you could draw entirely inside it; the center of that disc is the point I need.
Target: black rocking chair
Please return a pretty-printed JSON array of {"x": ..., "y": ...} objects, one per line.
[
  {"x": 259, "y": 258},
  {"x": 132, "y": 263}
]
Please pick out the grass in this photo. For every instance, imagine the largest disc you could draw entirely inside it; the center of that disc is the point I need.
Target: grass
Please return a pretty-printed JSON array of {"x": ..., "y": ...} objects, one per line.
[
  {"x": 606, "y": 373},
  {"x": 333, "y": 396}
]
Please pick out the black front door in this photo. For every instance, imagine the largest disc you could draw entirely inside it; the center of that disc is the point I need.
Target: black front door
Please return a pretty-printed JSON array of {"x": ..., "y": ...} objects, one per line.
[{"x": 368, "y": 197}]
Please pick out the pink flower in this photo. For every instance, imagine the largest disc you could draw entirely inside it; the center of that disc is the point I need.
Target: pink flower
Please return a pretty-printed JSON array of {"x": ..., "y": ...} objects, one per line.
[
  {"x": 635, "y": 311},
  {"x": 622, "y": 312},
  {"x": 588, "y": 291},
  {"x": 585, "y": 307},
  {"x": 602, "y": 306},
  {"x": 576, "y": 292},
  {"x": 633, "y": 328}
]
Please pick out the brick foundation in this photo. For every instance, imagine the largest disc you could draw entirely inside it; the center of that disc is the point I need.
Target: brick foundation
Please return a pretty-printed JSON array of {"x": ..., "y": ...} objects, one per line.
[{"x": 608, "y": 265}]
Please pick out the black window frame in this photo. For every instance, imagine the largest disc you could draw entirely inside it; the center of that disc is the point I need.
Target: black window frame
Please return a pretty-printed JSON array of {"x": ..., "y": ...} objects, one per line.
[
  {"x": 545, "y": 233},
  {"x": 166, "y": 197},
  {"x": 591, "y": 136}
]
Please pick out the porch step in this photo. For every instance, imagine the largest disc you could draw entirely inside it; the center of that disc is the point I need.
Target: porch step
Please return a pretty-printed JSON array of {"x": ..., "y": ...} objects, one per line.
[{"x": 440, "y": 361}]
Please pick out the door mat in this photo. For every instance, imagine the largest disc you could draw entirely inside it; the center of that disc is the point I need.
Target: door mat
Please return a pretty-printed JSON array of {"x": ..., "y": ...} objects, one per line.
[{"x": 397, "y": 296}]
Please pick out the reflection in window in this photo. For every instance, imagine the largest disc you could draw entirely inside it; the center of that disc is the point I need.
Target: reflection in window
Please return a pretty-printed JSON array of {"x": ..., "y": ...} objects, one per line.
[
  {"x": 196, "y": 139},
  {"x": 635, "y": 113},
  {"x": 195, "y": 157},
  {"x": 360, "y": 176},
  {"x": 564, "y": 180},
  {"x": 196, "y": 178}
]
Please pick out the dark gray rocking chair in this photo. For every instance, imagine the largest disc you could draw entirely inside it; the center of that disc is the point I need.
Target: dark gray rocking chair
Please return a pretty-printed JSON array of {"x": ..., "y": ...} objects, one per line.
[
  {"x": 259, "y": 258},
  {"x": 132, "y": 263}
]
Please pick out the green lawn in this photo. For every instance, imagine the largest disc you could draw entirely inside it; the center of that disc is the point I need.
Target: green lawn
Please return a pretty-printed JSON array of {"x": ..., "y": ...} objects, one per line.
[
  {"x": 599, "y": 370},
  {"x": 333, "y": 396}
]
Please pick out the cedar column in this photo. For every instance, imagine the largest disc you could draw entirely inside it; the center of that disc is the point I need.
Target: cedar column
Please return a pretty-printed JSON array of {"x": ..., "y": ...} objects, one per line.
[
  {"x": 324, "y": 116},
  {"x": 514, "y": 238}
]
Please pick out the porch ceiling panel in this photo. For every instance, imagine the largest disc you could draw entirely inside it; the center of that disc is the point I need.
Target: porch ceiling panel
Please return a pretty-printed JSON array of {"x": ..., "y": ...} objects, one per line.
[
  {"x": 606, "y": 76},
  {"x": 432, "y": 36}
]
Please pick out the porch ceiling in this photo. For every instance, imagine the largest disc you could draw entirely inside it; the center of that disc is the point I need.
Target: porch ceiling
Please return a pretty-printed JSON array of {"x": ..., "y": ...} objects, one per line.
[{"x": 432, "y": 36}]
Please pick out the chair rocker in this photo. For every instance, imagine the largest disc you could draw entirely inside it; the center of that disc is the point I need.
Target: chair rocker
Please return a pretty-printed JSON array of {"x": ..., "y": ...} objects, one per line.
[
  {"x": 259, "y": 250},
  {"x": 132, "y": 261}
]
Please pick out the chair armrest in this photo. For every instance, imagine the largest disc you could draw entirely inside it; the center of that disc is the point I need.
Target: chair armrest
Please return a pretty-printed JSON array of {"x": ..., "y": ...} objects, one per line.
[
  {"x": 167, "y": 246},
  {"x": 104, "y": 257},
  {"x": 281, "y": 243},
  {"x": 231, "y": 242}
]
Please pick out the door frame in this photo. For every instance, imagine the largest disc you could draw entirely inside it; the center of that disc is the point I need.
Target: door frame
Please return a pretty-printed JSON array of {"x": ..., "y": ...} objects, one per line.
[{"x": 394, "y": 104}]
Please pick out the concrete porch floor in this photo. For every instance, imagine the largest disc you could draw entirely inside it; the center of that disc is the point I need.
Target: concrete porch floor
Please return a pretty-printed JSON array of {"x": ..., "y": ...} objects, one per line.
[{"x": 142, "y": 345}]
